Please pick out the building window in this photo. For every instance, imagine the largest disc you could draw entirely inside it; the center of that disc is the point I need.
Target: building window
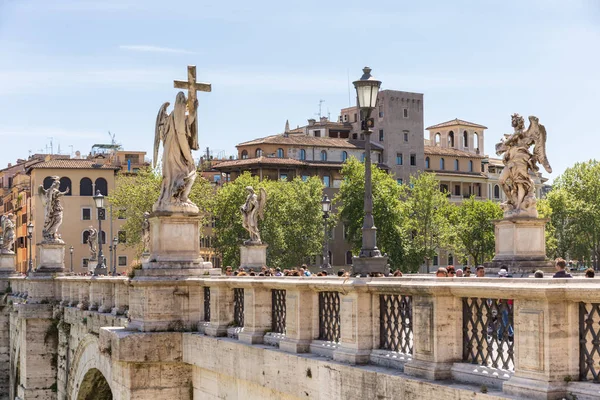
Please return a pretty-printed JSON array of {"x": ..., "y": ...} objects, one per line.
[
  {"x": 435, "y": 260},
  {"x": 326, "y": 181},
  {"x": 456, "y": 165},
  {"x": 258, "y": 152},
  {"x": 451, "y": 139},
  {"x": 283, "y": 177},
  {"x": 86, "y": 213},
  {"x": 280, "y": 153},
  {"x": 65, "y": 185},
  {"x": 496, "y": 192},
  {"x": 323, "y": 155},
  {"x": 244, "y": 154},
  {"x": 380, "y": 110},
  {"x": 470, "y": 166},
  {"x": 398, "y": 158},
  {"x": 427, "y": 162},
  {"x": 317, "y": 133},
  {"x": 399, "y": 180},
  {"x": 305, "y": 178},
  {"x": 381, "y": 135},
  {"x": 47, "y": 182},
  {"x": 102, "y": 186},
  {"x": 85, "y": 236},
  {"x": 85, "y": 187},
  {"x": 450, "y": 259},
  {"x": 122, "y": 261},
  {"x": 85, "y": 262},
  {"x": 355, "y": 117},
  {"x": 348, "y": 257},
  {"x": 476, "y": 141},
  {"x": 302, "y": 154},
  {"x": 121, "y": 214},
  {"x": 122, "y": 236},
  {"x": 442, "y": 164},
  {"x": 405, "y": 113},
  {"x": 457, "y": 190},
  {"x": 24, "y": 219},
  {"x": 344, "y": 155},
  {"x": 362, "y": 157},
  {"x": 438, "y": 139},
  {"x": 413, "y": 159},
  {"x": 405, "y": 136}
]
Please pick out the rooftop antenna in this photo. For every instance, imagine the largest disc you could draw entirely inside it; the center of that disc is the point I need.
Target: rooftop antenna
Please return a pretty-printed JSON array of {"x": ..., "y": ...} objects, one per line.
[
  {"x": 112, "y": 138},
  {"x": 51, "y": 146},
  {"x": 320, "y": 105},
  {"x": 328, "y": 114},
  {"x": 71, "y": 153},
  {"x": 59, "y": 148}
]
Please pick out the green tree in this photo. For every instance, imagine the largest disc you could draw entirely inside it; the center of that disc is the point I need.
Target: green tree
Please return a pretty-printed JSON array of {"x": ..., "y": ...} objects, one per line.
[
  {"x": 387, "y": 210},
  {"x": 135, "y": 194},
  {"x": 472, "y": 223},
  {"x": 545, "y": 211},
  {"x": 427, "y": 212},
  {"x": 293, "y": 220}
]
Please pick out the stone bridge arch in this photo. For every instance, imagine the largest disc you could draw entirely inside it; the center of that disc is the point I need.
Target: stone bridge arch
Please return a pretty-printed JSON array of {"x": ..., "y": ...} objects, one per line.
[{"x": 90, "y": 374}]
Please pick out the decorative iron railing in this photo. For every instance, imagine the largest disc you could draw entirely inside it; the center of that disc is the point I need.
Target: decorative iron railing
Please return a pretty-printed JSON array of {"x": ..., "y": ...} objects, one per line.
[
  {"x": 206, "y": 303},
  {"x": 589, "y": 342},
  {"x": 278, "y": 311},
  {"x": 488, "y": 335},
  {"x": 329, "y": 316},
  {"x": 238, "y": 307},
  {"x": 395, "y": 324}
]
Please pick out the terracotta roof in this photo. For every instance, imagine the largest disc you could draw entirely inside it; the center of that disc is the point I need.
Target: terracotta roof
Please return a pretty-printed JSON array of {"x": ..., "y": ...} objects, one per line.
[
  {"x": 274, "y": 161},
  {"x": 304, "y": 140},
  {"x": 72, "y": 164},
  {"x": 455, "y": 122},
  {"x": 444, "y": 151}
]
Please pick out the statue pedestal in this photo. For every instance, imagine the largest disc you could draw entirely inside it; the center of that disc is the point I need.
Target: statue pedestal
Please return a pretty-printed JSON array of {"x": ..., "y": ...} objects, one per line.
[
  {"x": 91, "y": 267},
  {"x": 521, "y": 245},
  {"x": 364, "y": 266},
  {"x": 8, "y": 264},
  {"x": 51, "y": 257},
  {"x": 253, "y": 256}
]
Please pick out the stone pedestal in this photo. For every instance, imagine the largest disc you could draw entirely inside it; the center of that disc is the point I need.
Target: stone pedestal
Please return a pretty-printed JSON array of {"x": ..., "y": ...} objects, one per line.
[
  {"x": 356, "y": 333},
  {"x": 257, "y": 314},
  {"x": 364, "y": 266},
  {"x": 520, "y": 246},
  {"x": 91, "y": 267},
  {"x": 8, "y": 264},
  {"x": 299, "y": 305},
  {"x": 51, "y": 257},
  {"x": 253, "y": 256}
]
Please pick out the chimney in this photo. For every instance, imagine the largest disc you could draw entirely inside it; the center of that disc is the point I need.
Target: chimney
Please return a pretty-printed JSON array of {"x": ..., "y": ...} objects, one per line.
[
  {"x": 324, "y": 119},
  {"x": 311, "y": 122}
]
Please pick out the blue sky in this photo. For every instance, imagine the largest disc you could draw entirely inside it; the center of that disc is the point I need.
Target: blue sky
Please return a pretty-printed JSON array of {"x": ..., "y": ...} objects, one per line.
[{"x": 75, "y": 69}]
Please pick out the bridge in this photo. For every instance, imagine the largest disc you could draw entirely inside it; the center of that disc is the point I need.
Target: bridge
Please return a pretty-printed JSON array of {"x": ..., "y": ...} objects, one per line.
[{"x": 205, "y": 337}]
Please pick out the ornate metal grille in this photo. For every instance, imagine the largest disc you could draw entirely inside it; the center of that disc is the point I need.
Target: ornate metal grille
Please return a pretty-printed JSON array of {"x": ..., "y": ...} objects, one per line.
[
  {"x": 278, "y": 310},
  {"x": 395, "y": 324},
  {"x": 589, "y": 342},
  {"x": 206, "y": 304},
  {"x": 488, "y": 335},
  {"x": 238, "y": 307},
  {"x": 329, "y": 316}
]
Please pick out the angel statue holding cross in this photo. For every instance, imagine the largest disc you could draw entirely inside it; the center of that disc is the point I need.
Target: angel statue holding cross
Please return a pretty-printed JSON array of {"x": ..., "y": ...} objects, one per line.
[{"x": 178, "y": 132}]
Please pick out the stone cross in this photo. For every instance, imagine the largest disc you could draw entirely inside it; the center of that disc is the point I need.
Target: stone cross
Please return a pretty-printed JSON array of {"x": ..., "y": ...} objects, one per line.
[{"x": 192, "y": 86}]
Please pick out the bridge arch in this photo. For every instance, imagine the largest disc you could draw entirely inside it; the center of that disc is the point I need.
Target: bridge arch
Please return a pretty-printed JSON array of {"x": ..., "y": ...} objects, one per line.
[{"x": 90, "y": 376}]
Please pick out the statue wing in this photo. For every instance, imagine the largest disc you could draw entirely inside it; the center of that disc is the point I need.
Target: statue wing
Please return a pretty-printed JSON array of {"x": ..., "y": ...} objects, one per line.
[
  {"x": 42, "y": 193},
  {"x": 262, "y": 200},
  {"x": 3, "y": 220},
  {"x": 537, "y": 132},
  {"x": 160, "y": 129}
]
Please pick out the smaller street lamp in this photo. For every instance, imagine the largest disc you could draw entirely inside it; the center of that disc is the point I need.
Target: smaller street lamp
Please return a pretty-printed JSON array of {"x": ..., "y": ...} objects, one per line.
[
  {"x": 71, "y": 251},
  {"x": 326, "y": 208},
  {"x": 29, "y": 239},
  {"x": 115, "y": 243},
  {"x": 99, "y": 200}
]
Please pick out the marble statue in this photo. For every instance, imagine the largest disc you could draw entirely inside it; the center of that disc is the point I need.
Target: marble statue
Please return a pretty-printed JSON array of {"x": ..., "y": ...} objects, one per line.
[
  {"x": 178, "y": 132},
  {"x": 7, "y": 222},
  {"x": 93, "y": 242},
  {"x": 520, "y": 164},
  {"x": 146, "y": 233},
  {"x": 252, "y": 209},
  {"x": 53, "y": 210}
]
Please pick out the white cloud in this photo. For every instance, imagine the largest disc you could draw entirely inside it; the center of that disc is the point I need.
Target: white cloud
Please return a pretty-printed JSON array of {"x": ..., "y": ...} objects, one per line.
[{"x": 155, "y": 49}]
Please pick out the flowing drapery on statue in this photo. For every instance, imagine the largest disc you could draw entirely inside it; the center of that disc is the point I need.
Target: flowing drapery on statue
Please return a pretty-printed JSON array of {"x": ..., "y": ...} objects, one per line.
[
  {"x": 252, "y": 210},
  {"x": 520, "y": 164},
  {"x": 7, "y": 223},
  {"x": 53, "y": 210},
  {"x": 93, "y": 242}
]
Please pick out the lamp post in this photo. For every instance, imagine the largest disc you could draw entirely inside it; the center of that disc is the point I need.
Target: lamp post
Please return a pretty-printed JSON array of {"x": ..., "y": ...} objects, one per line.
[
  {"x": 114, "y": 268},
  {"x": 326, "y": 207},
  {"x": 71, "y": 251},
  {"x": 99, "y": 200},
  {"x": 370, "y": 259},
  {"x": 29, "y": 238}
]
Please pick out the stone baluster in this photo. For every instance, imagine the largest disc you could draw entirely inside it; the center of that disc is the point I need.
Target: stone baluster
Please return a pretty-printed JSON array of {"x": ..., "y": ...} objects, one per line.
[
  {"x": 73, "y": 292},
  {"x": 437, "y": 333},
  {"x": 107, "y": 296},
  {"x": 95, "y": 287},
  {"x": 221, "y": 309},
  {"x": 84, "y": 294},
  {"x": 356, "y": 325},
  {"x": 257, "y": 313},
  {"x": 65, "y": 294},
  {"x": 301, "y": 304},
  {"x": 121, "y": 296}
]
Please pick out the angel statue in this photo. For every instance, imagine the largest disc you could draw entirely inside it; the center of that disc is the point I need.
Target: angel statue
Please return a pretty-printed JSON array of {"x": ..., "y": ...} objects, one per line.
[
  {"x": 146, "y": 233},
  {"x": 520, "y": 164},
  {"x": 178, "y": 133},
  {"x": 7, "y": 222},
  {"x": 53, "y": 210},
  {"x": 252, "y": 209},
  {"x": 92, "y": 241}
]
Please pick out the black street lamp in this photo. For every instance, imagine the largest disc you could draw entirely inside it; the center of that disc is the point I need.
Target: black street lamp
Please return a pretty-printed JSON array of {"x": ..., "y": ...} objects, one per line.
[
  {"x": 71, "y": 251},
  {"x": 29, "y": 239},
  {"x": 370, "y": 259},
  {"x": 99, "y": 200},
  {"x": 114, "y": 268},
  {"x": 326, "y": 207}
]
